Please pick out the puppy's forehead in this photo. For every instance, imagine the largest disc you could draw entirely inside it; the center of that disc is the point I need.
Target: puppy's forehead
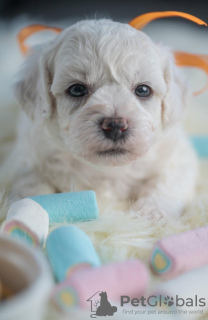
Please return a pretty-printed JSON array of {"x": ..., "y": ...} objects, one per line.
[{"x": 100, "y": 50}]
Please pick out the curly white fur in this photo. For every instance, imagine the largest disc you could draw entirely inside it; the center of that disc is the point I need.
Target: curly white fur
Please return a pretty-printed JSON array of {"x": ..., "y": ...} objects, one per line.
[{"x": 60, "y": 143}]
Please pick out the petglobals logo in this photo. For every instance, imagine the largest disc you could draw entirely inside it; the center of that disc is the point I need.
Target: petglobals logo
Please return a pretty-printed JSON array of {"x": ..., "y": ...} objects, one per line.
[
  {"x": 100, "y": 306},
  {"x": 162, "y": 305},
  {"x": 159, "y": 301},
  {"x": 153, "y": 304}
]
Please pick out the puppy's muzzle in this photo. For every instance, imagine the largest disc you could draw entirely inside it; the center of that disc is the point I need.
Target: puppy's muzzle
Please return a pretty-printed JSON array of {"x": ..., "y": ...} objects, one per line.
[{"x": 114, "y": 128}]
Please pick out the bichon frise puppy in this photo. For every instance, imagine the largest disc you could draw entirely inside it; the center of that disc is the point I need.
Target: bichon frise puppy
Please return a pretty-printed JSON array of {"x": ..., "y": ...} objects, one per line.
[{"x": 103, "y": 108}]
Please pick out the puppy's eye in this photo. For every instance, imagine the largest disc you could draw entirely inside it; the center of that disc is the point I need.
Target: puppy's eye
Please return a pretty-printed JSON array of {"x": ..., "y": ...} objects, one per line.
[
  {"x": 143, "y": 91},
  {"x": 77, "y": 90}
]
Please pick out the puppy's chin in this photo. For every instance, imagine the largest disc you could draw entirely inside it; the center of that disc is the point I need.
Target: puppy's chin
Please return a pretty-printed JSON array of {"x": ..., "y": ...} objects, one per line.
[{"x": 113, "y": 157}]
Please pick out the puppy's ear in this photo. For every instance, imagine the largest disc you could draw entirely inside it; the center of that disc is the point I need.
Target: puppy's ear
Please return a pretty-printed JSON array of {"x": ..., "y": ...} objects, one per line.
[
  {"x": 177, "y": 93},
  {"x": 33, "y": 89}
]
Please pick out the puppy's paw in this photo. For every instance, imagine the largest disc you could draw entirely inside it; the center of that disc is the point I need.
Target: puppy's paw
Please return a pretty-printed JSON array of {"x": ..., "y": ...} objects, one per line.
[{"x": 149, "y": 209}]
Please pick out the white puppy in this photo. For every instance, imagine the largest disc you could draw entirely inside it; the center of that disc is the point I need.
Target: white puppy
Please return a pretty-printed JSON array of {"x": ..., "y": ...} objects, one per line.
[{"x": 103, "y": 111}]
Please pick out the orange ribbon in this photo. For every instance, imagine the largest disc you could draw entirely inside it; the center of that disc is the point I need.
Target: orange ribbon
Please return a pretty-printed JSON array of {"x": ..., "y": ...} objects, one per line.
[
  {"x": 183, "y": 59},
  {"x": 29, "y": 30},
  {"x": 142, "y": 20}
]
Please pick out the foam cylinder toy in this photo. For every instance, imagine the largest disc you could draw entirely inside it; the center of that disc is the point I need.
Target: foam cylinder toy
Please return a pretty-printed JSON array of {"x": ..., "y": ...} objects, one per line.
[
  {"x": 69, "y": 249},
  {"x": 74, "y": 260},
  {"x": 128, "y": 278},
  {"x": 200, "y": 144},
  {"x": 180, "y": 253},
  {"x": 187, "y": 293},
  {"x": 29, "y": 218},
  {"x": 69, "y": 207}
]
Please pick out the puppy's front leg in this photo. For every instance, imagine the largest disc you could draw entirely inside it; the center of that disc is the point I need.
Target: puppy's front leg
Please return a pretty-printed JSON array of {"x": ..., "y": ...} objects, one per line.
[
  {"x": 32, "y": 184},
  {"x": 168, "y": 192}
]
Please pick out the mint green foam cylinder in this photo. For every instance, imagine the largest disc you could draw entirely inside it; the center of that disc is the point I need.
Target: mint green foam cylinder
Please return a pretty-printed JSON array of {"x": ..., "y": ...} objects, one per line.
[
  {"x": 69, "y": 247},
  {"x": 69, "y": 207},
  {"x": 200, "y": 144}
]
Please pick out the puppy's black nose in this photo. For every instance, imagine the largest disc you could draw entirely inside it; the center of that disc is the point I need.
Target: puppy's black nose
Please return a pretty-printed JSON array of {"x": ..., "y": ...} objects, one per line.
[{"x": 114, "y": 128}]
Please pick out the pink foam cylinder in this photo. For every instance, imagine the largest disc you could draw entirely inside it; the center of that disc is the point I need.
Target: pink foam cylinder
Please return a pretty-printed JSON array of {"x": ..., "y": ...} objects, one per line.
[
  {"x": 181, "y": 252},
  {"x": 129, "y": 278}
]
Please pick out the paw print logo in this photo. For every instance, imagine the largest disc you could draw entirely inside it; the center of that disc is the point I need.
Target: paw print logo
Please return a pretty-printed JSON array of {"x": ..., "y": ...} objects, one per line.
[{"x": 169, "y": 301}]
